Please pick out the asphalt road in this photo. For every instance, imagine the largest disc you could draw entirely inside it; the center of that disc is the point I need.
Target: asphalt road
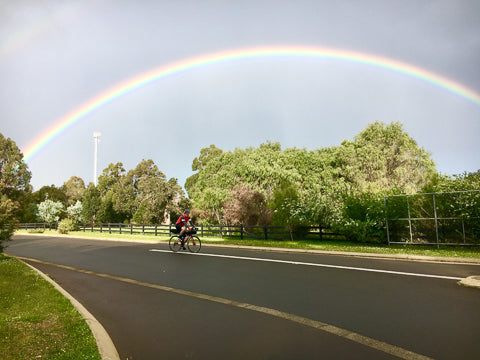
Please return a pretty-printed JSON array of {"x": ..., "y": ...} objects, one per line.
[{"x": 160, "y": 305}]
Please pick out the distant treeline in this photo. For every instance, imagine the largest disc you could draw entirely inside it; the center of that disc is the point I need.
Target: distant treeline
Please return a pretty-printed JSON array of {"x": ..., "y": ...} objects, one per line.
[{"x": 339, "y": 188}]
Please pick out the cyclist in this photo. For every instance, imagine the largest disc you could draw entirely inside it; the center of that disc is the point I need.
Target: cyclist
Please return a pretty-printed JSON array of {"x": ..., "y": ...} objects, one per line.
[{"x": 182, "y": 223}]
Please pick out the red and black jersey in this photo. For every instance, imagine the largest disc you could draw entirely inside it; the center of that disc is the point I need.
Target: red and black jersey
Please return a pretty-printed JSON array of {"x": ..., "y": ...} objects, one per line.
[{"x": 183, "y": 220}]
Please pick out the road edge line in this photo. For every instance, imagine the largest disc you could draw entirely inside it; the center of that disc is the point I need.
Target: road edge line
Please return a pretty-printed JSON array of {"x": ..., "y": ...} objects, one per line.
[{"x": 105, "y": 345}]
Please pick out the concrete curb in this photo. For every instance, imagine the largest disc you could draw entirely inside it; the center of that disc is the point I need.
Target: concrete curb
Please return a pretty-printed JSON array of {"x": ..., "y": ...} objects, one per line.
[
  {"x": 471, "y": 281},
  {"x": 106, "y": 348}
]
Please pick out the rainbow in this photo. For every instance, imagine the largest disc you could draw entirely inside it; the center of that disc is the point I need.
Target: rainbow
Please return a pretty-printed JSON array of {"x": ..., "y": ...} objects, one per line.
[{"x": 140, "y": 80}]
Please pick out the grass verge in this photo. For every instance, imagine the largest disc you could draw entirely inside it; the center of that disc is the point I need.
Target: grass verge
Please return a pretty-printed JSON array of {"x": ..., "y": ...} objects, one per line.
[
  {"x": 326, "y": 245},
  {"x": 36, "y": 321}
]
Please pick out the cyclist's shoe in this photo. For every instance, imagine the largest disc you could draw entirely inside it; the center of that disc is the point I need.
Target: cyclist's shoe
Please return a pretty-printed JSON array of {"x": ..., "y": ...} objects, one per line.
[{"x": 184, "y": 248}]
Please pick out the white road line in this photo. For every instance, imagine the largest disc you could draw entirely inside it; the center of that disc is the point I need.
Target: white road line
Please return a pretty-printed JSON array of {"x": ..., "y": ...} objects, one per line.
[{"x": 314, "y": 264}]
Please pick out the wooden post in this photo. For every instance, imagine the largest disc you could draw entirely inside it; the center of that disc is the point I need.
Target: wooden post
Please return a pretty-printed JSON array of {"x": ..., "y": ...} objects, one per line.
[
  {"x": 155, "y": 229},
  {"x": 265, "y": 230},
  {"x": 241, "y": 231}
]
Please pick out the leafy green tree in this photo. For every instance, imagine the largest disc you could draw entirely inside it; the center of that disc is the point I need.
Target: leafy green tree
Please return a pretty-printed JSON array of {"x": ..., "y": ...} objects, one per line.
[
  {"x": 14, "y": 173},
  {"x": 73, "y": 189},
  {"x": 91, "y": 203},
  {"x": 7, "y": 219},
  {"x": 110, "y": 186},
  {"x": 206, "y": 155},
  {"x": 384, "y": 157},
  {"x": 14, "y": 183},
  {"x": 50, "y": 211},
  {"x": 144, "y": 194},
  {"x": 286, "y": 207},
  {"x": 50, "y": 192}
]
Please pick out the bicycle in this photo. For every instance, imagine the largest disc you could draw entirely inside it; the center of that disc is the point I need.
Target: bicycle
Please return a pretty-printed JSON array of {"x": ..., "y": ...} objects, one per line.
[{"x": 194, "y": 244}]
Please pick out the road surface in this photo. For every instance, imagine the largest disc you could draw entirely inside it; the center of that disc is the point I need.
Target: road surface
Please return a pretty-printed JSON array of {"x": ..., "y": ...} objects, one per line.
[{"x": 250, "y": 304}]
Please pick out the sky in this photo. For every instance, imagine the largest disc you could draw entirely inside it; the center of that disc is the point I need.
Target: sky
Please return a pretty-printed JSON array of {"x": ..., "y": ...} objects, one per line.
[{"x": 56, "y": 56}]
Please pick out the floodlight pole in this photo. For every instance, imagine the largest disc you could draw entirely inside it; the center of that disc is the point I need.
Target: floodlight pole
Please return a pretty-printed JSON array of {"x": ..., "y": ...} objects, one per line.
[{"x": 96, "y": 136}]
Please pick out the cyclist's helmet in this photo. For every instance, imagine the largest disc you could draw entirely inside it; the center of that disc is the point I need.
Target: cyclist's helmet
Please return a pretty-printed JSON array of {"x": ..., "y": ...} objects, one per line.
[{"x": 186, "y": 211}]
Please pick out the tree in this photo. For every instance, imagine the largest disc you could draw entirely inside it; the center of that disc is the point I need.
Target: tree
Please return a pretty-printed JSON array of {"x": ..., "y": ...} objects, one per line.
[
  {"x": 75, "y": 211},
  {"x": 14, "y": 183},
  {"x": 287, "y": 211},
  {"x": 246, "y": 207},
  {"x": 206, "y": 155},
  {"x": 91, "y": 203},
  {"x": 73, "y": 189},
  {"x": 51, "y": 193},
  {"x": 7, "y": 219},
  {"x": 143, "y": 195},
  {"x": 14, "y": 173},
  {"x": 110, "y": 186},
  {"x": 384, "y": 157},
  {"x": 49, "y": 211}
]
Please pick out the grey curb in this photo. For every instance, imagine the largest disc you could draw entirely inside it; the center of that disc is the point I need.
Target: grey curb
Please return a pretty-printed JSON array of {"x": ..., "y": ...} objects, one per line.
[{"x": 106, "y": 348}]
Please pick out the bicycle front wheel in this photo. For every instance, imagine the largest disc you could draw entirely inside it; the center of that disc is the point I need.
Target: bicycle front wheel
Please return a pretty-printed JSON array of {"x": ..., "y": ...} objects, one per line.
[
  {"x": 194, "y": 244},
  {"x": 175, "y": 243}
]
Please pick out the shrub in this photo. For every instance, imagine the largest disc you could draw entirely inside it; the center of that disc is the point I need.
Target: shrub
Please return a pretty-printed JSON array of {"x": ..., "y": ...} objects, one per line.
[
  {"x": 66, "y": 225},
  {"x": 363, "y": 219}
]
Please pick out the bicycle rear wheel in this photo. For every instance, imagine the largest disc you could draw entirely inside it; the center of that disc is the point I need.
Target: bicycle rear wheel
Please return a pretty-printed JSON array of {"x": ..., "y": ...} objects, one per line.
[
  {"x": 194, "y": 244},
  {"x": 175, "y": 243}
]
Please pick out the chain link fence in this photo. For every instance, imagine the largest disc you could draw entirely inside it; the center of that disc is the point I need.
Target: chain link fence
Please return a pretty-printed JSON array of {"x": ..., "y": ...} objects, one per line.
[{"x": 447, "y": 218}]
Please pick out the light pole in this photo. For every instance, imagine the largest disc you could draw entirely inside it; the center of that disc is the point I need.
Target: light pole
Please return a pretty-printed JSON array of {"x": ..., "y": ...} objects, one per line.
[{"x": 96, "y": 136}]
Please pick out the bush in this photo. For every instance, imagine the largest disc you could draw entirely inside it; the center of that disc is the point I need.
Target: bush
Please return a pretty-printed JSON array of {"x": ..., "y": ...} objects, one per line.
[
  {"x": 66, "y": 225},
  {"x": 363, "y": 219}
]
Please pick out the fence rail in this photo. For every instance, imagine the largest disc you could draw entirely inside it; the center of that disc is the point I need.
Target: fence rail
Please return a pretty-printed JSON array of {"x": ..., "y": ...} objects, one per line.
[{"x": 241, "y": 232}]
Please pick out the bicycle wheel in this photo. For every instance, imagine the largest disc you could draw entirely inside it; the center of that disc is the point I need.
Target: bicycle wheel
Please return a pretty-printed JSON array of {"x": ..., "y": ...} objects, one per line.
[
  {"x": 175, "y": 243},
  {"x": 194, "y": 244}
]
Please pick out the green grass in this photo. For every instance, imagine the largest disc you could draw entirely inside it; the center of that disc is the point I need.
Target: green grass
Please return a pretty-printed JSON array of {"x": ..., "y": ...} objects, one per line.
[
  {"x": 344, "y": 246},
  {"x": 36, "y": 321}
]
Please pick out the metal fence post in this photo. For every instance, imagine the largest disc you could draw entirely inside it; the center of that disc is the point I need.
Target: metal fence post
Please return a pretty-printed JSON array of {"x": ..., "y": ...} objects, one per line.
[
  {"x": 409, "y": 220},
  {"x": 386, "y": 218},
  {"x": 436, "y": 219}
]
